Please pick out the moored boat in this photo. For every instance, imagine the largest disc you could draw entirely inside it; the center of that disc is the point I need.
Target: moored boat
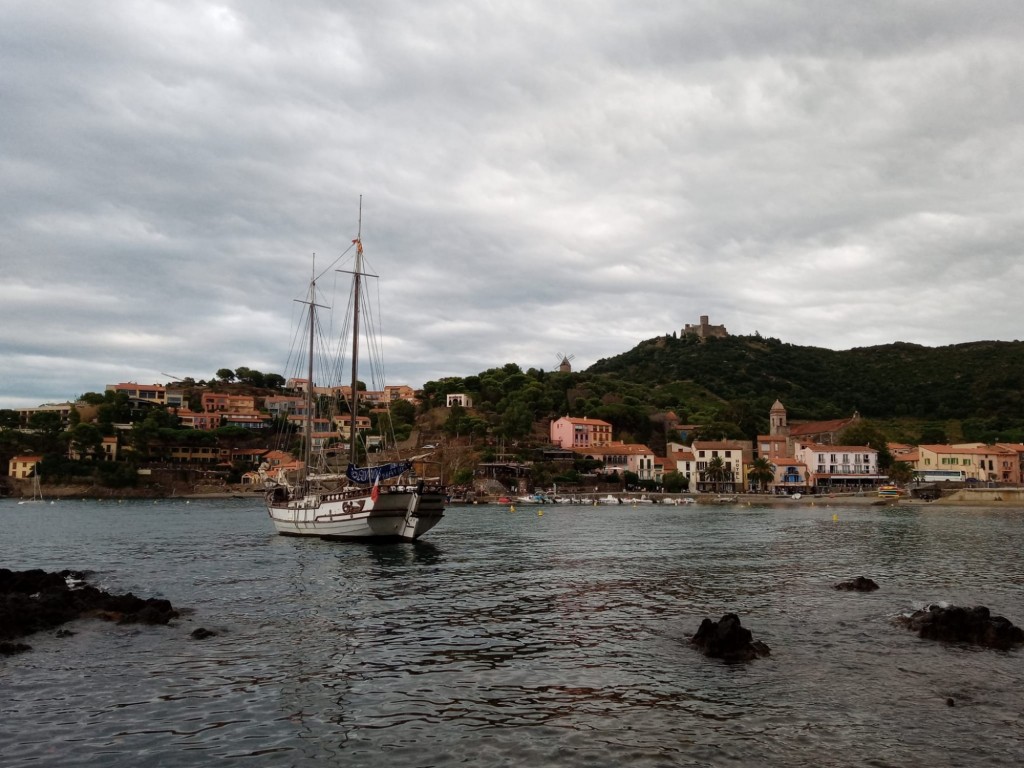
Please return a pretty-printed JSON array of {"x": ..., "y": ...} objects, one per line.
[{"x": 380, "y": 502}]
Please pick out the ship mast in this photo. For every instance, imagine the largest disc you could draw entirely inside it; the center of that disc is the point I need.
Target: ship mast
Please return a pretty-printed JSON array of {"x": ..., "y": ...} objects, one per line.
[
  {"x": 356, "y": 286},
  {"x": 308, "y": 457}
]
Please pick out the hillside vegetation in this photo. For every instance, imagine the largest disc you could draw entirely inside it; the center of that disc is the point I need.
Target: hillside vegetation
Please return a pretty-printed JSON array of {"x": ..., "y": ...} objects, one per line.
[
  {"x": 980, "y": 381},
  {"x": 969, "y": 391}
]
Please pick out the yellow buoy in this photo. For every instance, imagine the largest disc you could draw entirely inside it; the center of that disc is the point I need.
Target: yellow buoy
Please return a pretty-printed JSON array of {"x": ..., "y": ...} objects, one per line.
[
  {"x": 540, "y": 513},
  {"x": 835, "y": 517},
  {"x": 512, "y": 508}
]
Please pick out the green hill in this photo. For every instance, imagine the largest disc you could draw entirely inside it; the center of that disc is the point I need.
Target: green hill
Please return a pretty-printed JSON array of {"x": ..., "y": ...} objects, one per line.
[{"x": 980, "y": 380}]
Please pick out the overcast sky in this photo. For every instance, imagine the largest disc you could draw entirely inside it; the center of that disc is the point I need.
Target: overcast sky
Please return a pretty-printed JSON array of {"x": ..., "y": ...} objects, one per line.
[{"x": 537, "y": 178}]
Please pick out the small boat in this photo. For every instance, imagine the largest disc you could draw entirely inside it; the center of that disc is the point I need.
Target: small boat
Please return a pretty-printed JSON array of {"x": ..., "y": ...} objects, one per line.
[
  {"x": 381, "y": 502},
  {"x": 725, "y": 499},
  {"x": 535, "y": 498},
  {"x": 609, "y": 499},
  {"x": 37, "y": 491},
  {"x": 889, "y": 492}
]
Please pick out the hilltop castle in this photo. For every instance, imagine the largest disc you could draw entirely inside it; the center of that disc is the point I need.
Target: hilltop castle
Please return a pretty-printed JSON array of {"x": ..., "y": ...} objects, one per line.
[{"x": 705, "y": 330}]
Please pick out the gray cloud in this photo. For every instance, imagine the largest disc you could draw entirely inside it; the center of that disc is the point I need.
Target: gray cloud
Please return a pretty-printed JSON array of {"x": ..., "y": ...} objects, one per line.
[{"x": 535, "y": 178}]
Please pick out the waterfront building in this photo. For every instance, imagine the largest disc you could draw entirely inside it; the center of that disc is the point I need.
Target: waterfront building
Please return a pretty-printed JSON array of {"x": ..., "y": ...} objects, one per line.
[
  {"x": 734, "y": 454},
  {"x": 621, "y": 457},
  {"x": 849, "y": 467},
  {"x": 571, "y": 432},
  {"x": 972, "y": 461},
  {"x": 22, "y": 466}
]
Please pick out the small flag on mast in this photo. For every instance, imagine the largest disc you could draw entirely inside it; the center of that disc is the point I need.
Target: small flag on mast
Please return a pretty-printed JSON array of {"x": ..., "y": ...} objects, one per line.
[{"x": 375, "y": 493}]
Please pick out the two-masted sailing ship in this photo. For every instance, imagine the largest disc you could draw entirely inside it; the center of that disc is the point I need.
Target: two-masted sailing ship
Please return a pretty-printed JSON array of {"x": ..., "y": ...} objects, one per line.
[{"x": 382, "y": 501}]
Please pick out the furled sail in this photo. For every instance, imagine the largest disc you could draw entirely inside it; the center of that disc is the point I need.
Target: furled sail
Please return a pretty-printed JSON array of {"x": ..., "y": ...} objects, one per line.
[{"x": 368, "y": 475}]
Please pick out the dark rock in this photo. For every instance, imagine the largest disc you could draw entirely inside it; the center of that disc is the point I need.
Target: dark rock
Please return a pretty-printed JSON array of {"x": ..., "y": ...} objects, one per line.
[
  {"x": 35, "y": 600},
  {"x": 202, "y": 633},
  {"x": 64, "y": 633},
  {"x": 956, "y": 624},
  {"x": 727, "y": 639},
  {"x": 9, "y": 649},
  {"x": 859, "y": 584}
]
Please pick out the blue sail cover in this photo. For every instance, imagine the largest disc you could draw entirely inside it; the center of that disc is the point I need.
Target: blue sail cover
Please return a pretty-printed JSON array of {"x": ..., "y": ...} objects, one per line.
[{"x": 368, "y": 475}]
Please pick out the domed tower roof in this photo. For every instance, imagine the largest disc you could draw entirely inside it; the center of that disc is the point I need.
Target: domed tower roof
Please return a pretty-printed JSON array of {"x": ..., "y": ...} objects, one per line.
[{"x": 777, "y": 420}]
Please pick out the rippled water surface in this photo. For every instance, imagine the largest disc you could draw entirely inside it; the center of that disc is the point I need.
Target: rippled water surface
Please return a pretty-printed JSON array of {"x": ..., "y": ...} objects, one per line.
[{"x": 512, "y": 639}]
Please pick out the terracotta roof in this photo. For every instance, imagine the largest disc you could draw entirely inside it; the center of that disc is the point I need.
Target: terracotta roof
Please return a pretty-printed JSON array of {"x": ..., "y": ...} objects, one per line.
[
  {"x": 973, "y": 450},
  {"x": 588, "y": 422},
  {"x": 822, "y": 448},
  {"x": 814, "y": 427},
  {"x": 728, "y": 445},
  {"x": 615, "y": 449}
]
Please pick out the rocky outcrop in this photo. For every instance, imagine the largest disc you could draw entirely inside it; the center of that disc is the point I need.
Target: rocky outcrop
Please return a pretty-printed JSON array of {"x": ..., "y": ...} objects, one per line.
[
  {"x": 859, "y": 584},
  {"x": 36, "y": 600},
  {"x": 727, "y": 639},
  {"x": 957, "y": 624}
]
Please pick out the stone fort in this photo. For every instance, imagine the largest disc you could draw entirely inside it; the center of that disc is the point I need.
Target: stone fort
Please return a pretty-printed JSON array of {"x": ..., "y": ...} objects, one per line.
[{"x": 705, "y": 330}]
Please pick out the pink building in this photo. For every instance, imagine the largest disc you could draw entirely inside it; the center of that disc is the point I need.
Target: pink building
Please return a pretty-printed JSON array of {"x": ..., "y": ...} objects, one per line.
[{"x": 569, "y": 432}]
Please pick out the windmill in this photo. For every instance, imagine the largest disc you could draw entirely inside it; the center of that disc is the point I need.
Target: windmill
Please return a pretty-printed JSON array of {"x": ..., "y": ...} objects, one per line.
[{"x": 563, "y": 362}]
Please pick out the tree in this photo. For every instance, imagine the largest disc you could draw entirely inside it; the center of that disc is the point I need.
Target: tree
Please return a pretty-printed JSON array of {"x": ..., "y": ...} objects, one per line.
[
  {"x": 225, "y": 374},
  {"x": 932, "y": 435},
  {"x": 866, "y": 433},
  {"x": 46, "y": 422},
  {"x": 716, "y": 471},
  {"x": 718, "y": 430},
  {"x": 402, "y": 412},
  {"x": 517, "y": 421},
  {"x": 274, "y": 381},
  {"x": 86, "y": 440},
  {"x": 761, "y": 472},
  {"x": 901, "y": 472},
  {"x": 674, "y": 482}
]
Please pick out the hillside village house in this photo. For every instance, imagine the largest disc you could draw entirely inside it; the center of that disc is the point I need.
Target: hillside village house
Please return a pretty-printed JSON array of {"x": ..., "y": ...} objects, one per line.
[
  {"x": 570, "y": 432},
  {"x": 343, "y": 425},
  {"x": 221, "y": 401},
  {"x": 622, "y": 457},
  {"x": 23, "y": 466},
  {"x": 458, "y": 399},
  {"x": 108, "y": 450},
  {"x": 280, "y": 405},
  {"x": 150, "y": 393},
  {"x": 61, "y": 409}
]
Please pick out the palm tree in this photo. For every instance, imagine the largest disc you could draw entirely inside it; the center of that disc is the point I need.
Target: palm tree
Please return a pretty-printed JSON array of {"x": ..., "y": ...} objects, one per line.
[
  {"x": 761, "y": 472},
  {"x": 716, "y": 471}
]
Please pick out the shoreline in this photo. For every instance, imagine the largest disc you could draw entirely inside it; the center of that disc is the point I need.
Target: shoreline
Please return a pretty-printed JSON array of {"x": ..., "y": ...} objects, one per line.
[{"x": 990, "y": 497}]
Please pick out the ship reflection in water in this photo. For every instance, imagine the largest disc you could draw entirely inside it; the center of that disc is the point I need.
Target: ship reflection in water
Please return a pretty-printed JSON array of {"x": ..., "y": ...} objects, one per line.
[{"x": 514, "y": 639}]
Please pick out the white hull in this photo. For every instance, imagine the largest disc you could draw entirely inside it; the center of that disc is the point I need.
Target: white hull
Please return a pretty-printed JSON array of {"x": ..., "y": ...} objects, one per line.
[{"x": 399, "y": 513}]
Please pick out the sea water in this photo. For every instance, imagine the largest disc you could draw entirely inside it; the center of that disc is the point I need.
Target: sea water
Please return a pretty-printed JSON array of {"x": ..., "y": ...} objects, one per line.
[{"x": 518, "y": 639}]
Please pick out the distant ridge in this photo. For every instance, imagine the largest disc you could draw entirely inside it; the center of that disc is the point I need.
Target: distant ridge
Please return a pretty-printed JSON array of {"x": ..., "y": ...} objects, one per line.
[{"x": 982, "y": 379}]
